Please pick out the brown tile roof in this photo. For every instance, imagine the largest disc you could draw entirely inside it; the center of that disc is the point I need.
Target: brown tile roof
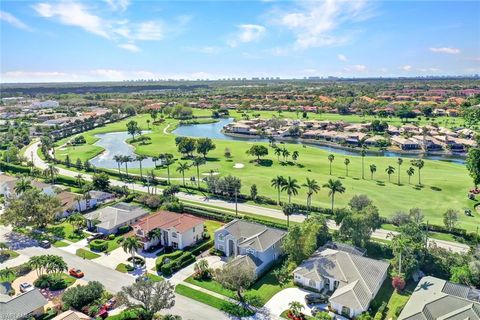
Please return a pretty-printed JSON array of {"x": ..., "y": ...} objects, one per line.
[{"x": 166, "y": 219}]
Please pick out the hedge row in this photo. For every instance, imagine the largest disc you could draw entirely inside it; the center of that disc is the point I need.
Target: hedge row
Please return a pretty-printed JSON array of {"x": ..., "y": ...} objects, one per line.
[
  {"x": 202, "y": 247},
  {"x": 98, "y": 245},
  {"x": 172, "y": 256},
  {"x": 176, "y": 264}
]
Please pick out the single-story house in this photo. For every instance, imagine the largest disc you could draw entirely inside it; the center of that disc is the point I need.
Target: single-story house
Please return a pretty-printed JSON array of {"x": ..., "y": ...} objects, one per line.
[
  {"x": 107, "y": 220},
  {"x": 405, "y": 144},
  {"x": 23, "y": 306},
  {"x": 72, "y": 315},
  {"x": 8, "y": 183},
  {"x": 101, "y": 196},
  {"x": 70, "y": 204},
  {"x": 353, "y": 278},
  {"x": 177, "y": 230},
  {"x": 434, "y": 298},
  {"x": 252, "y": 243}
]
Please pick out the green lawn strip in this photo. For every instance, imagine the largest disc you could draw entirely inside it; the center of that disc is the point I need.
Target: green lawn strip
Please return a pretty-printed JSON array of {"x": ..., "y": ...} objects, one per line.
[
  {"x": 431, "y": 234},
  {"x": 114, "y": 244},
  {"x": 7, "y": 255},
  {"x": 87, "y": 254},
  {"x": 122, "y": 267},
  {"x": 65, "y": 230},
  {"x": 394, "y": 300},
  {"x": 212, "y": 225},
  {"x": 265, "y": 288},
  {"x": 60, "y": 244},
  {"x": 69, "y": 280},
  {"x": 154, "y": 277},
  {"x": 207, "y": 299}
]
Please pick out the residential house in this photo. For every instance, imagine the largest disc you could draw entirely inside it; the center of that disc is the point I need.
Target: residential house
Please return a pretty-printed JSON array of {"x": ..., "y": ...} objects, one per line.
[
  {"x": 6, "y": 183},
  {"x": 101, "y": 196},
  {"x": 23, "y": 306},
  {"x": 404, "y": 143},
  {"x": 343, "y": 270},
  {"x": 434, "y": 298},
  {"x": 107, "y": 220},
  {"x": 70, "y": 204},
  {"x": 251, "y": 243},
  {"x": 72, "y": 315},
  {"x": 177, "y": 230}
]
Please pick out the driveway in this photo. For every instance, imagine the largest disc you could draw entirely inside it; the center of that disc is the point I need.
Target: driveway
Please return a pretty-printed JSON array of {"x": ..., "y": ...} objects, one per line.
[
  {"x": 75, "y": 246},
  {"x": 280, "y": 301},
  {"x": 180, "y": 276}
]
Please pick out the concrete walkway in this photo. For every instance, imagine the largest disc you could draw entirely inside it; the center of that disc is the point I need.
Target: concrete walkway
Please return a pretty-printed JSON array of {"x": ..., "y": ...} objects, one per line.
[{"x": 31, "y": 151}]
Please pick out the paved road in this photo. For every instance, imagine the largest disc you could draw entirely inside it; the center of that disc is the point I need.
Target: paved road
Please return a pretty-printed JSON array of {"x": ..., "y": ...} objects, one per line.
[
  {"x": 111, "y": 279},
  {"x": 243, "y": 207}
]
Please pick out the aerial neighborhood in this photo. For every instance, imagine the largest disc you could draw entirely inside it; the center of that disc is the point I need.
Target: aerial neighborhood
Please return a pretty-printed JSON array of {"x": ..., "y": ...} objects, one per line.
[{"x": 273, "y": 202}]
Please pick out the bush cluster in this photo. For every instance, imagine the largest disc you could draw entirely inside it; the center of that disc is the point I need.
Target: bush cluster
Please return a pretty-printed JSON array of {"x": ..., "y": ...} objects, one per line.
[
  {"x": 98, "y": 245},
  {"x": 174, "y": 264}
]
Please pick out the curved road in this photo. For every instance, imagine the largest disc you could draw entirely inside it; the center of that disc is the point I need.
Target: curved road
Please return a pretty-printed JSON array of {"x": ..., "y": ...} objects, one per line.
[{"x": 31, "y": 153}]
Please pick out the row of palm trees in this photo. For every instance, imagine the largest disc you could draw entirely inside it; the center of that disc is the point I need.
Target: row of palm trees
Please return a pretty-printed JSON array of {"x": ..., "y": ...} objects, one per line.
[
  {"x": 165, "y": 158},
  {"x": 418, "y": 163},
  {"x": 291, "y": 187}
]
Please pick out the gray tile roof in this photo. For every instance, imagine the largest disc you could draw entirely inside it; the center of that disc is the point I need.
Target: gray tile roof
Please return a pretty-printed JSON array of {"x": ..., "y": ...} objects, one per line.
[
  {"x": 254, "y": 235},
  {"x": 21, "y": 305},
  {"x": 359, "y": 277},
  {"x": 115, "y": 215},
  {"x": 435, "y": 298}
]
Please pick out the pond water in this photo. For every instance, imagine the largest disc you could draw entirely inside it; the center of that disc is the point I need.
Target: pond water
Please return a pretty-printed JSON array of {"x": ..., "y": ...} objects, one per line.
[
  {"x": 115, "y": 143},
  {"x": 214, "y": 131}
]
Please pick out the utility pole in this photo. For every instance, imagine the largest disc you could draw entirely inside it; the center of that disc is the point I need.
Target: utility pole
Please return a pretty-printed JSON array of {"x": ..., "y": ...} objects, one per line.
[{"x": 236, "y": 203}]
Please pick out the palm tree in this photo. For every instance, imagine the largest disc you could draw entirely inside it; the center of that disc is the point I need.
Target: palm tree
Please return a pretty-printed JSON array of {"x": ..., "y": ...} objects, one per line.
[
  {"x": 3, "y": 248},
  {"x": 288, "y": 210},
  {"x": 153, "y": 180},
  {"x": 51, "y": 172},
  {"x": 148, "y": 124},
  {"x": 313, "y": 187},
  {"x": 331, "y": 157},
  {"x": 292, "y": 187},
  {"x": 78, "y": 198},
  {"x": 140, "y": 158},
  {"x": 155, "y": 234},
  {"x": 278, "y": 152},
  {"x": 419, "y": 163},
  {"x": 22, "y": 185},
  {"x": 347, "y": 162},
  {"x": 182, "y": 167},
  {"x": 77, "y": 220},
  {"x": 167, "y": 160},
  {"x": 410, "y": 172},
  {"x": 373, "y": 169},
  {"x": 155, "y": 159},
  {"x": 295, "y": 308},
  {"x": 126, "y": 160},
  {"x": 79, "y": 180},
  {"x": 390, "y": 170},
  {"x": 278, "y": 183},
  {"x": 197, "y": 162},
  {"x": 131, "y": 245},
  {"x": 285, "y": 154},
  {"x": 7, "y": 273},
  {"x": 119, "y": 160},
  {"x": 334, "y": 186},
  {"x": 399, "y": 162},
  {"x": 363, "y": 153},
  {"x": 295, "y": 155}
]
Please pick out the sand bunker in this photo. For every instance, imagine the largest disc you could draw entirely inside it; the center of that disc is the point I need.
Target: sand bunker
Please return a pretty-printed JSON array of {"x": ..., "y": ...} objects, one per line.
[{"x": 238, "y": 165}]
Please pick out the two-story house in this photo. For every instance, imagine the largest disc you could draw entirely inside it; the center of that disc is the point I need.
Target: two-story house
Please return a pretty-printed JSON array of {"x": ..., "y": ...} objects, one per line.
[
  {"x": 251, "y": 243},
  {"x": 175, "y": 230}
]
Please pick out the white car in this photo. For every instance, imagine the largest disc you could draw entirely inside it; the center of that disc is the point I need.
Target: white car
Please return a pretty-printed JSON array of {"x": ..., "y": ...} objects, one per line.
[{"x": 25, "y": 287}]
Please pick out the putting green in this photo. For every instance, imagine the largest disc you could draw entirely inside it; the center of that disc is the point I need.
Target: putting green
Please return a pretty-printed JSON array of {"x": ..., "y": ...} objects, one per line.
[{"x": 445, "y": 185}]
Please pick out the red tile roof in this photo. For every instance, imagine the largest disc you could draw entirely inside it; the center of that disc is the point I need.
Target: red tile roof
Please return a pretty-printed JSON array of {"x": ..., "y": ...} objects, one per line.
[{"x": 166, "y": 219}]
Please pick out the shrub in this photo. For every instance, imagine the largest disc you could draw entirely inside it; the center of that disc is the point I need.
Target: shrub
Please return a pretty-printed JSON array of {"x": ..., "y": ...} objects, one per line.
[
  {"x": 123, "y": 229},
  {"x": 138, "y": 261},
  {"x": 398, "y": 283},
  {"x": 111, "y": 236},
  {"x": 166, "y": 269},
  {"x": 202, "y": 247},
  {"x": 81, "y": 296},
  {"x": 98, "y": 245},
  {"x": 50, "y": 281},
  {"x": 42, "y": 282},
  {"x": 216, "y": 252}
]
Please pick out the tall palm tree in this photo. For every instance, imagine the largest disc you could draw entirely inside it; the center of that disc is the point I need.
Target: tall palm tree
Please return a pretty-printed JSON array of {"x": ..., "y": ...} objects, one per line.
[
  {"x": 7, "y": 273},
  {"x": 79, "y": 180},
  {"x": 77, "y": 220},
  {"x": 152, "y": 179},
  {"x": 363, "y": 153},
  {"x": 295, "y": 155},
  {"x": 278, "y": 153},
  {"x": 288, "y": 210},
  {"x": 347, "y": 162},
  {"x": 182, "y": 167},
  {"x": 167, "y": 160},
  {"x": 291, "y": 187},
  {"x": 278, "y": 183},
  {"x": 126, "y": 160},
  {"x": 155, "y": 159},
  {"x": 285, "y": 154},
  {"x": 312, "y": 187},
  {"x": 140, "y": 158},
  {"x": 410, "y": 173},
  {"x": 419, "y": 163},
  {"x": 390, "y": 170},
  {"x": 399, "y": 162},
  {"x": 51, "y": 171},
  {"x": 331, "y": 157},
  {"x": 3, "y": 248},
  {"x": 373, "y": 169},
  {"x": 335, "y": 186},
  {"x": 78, "y": 198},
  {"x": 197, "y": 162},
  {"x": 131, "y": 245},
  {"x": 155, "y": 234},
  {"x": 22, "y": 185},
  {"x": 119, "y": 160}
]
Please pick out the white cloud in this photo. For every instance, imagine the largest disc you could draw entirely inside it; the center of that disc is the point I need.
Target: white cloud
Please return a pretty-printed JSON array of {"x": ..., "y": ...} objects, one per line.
[
  {"x": 74, "y": 14},
  {"x": 149, "y": 30},
  {"x": 446, "y": 50},
  {"x": 14, "y": 21},
  {"x": 406, "y": 67},
  {"x": 342, "y": 57},
  {"x": 317, "y": 24},
  {"x": 247, "y": 33},
  {"x": 356, "y": 68},
  {"x": 118, "y": 5},
  {"x": 130, "y": 47}
]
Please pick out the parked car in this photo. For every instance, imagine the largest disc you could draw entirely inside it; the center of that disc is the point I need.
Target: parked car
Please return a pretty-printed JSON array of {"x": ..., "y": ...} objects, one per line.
[
  {"x": 94, "y": 237},
  {"x": 45, "y": 244},
  {"x": 315, "y": 298},
  {"x": 25, "y": 287},
  {"x": 110, "y": 304},
  {"x": 77, "y": 273}
]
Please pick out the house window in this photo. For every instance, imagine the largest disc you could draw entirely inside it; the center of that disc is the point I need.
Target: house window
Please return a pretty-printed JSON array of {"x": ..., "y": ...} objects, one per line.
[
  {"x": 193, "y": 229},
  {"x": 174, "y": 234},
  {"x": 335, "y": 284},
  {"x": 221, "y": 247},
  {"x": 174, "y": 245},
  {"x": 221, "y": 237},
  {"x": 327, "y": 282},
  {"x": 312, "y": 283},
  {"x": 346, "y": 311},
  {"x": 250, "y": 251}
]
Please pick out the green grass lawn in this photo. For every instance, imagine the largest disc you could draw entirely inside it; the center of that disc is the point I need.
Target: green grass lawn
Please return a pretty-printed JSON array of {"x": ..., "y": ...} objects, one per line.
[
  {"x": 212, "y": 225},
  {"x": 265, "y": 288},
  {"x": 154, "y": 277},
  {"x": 395, "y": 301},
  {"x": 445, "y": 184},
  {"x": 207, "y": 299},
  {"x": 66, "y": 231},
  {"x": 87, "y": 254},
  {"x": 122, "y": 267},
  {"x": 7, "y": 255},
  {"x": 60, "y": 244},
  {"x": 113, "y": 244}
]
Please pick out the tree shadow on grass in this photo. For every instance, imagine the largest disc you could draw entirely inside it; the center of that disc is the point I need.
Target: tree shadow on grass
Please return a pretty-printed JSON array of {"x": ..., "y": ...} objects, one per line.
[
  {"x": 265, "y": 162},
  {"x": 300, "y": 165},
  {"x": 381, "y": 183},
  {"x": 356, "y": 179},
  {"x": 436, "y": 188},
  {"x": 211, "y": 159}
]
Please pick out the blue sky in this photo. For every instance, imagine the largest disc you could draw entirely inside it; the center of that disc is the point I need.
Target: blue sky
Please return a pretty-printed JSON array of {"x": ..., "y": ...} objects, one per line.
[{"x": 125, "y": 39}]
